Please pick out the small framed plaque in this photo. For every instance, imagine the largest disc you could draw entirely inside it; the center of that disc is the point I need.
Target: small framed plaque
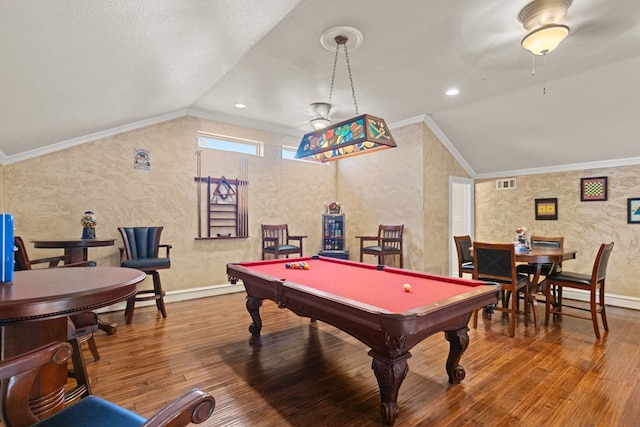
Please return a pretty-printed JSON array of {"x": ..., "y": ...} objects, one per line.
[{"x": 547, "y": 209}]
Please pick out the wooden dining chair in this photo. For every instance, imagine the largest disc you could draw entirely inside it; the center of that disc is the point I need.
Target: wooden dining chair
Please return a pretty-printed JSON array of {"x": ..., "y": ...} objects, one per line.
[
  {"x": 496, "y": 263},
  {"x": 593, "y": 283},
  {"x": 141, "y": 250},
  {"x": 277, "y": 241},
  {"x": 80, "y": 326},
  {"x": 388, "y": 243},
  {"x": 465, "y": 259},
  {"x": 18, "y": 374}
]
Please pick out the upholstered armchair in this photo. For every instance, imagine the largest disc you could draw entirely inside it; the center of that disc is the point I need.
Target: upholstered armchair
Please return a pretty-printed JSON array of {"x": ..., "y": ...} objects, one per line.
[
  {"x": 18, "y": 374},
  {"x": 141, "y": 251}
]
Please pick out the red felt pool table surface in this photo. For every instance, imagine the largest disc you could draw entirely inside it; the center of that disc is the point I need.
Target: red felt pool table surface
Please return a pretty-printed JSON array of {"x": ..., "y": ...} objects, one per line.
[{"x": 366, "y": 284}]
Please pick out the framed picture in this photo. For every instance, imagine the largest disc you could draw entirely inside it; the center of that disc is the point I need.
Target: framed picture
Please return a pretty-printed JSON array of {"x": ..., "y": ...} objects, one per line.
[
  {"x": 633, "y": 210},
  {"x": 547, "y": 209},
  {"x": 593, "y": 189}
]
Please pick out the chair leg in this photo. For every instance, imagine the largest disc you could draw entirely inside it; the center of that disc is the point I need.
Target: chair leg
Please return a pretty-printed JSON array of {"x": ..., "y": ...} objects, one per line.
[
  {"x": 128, "y": 311},
  {"x": 93, "y": 348},
  {"x": 594, "y": 313},
  {"x": 603, "y": 311},
  {"x": 513, "y": 313},
  {"x": 157, "y": 287},
  {"x": 547, "y": 303},
  {"x": 79, "y": 372}
]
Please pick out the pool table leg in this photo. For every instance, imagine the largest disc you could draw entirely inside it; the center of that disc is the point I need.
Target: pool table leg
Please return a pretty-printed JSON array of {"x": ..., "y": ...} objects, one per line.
[
  {"x": 253, "y": 307},
  {"x": 458, "y": 343},
  {"x": 390, "y": 373}
]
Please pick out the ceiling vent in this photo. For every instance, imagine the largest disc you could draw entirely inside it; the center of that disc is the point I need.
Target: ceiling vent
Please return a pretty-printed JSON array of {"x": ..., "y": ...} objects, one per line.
[{"x": 504, "y": 184}]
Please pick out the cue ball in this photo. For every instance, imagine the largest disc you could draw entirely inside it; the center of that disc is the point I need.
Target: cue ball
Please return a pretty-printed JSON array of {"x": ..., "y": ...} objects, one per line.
[{"x": 406, "y": 287}]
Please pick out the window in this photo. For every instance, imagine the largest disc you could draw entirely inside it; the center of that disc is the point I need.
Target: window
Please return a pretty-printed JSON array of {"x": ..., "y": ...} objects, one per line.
[
  {"x": 289, "y": 153},
  {"x": 227, "y": 143}
]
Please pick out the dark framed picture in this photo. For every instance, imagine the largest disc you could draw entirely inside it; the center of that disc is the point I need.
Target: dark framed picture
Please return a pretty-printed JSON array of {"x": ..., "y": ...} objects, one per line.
[
  {"x": 633, "y": 210},
  {"x": 547, "y": 209},
  {"x": 593, "y": 189}
]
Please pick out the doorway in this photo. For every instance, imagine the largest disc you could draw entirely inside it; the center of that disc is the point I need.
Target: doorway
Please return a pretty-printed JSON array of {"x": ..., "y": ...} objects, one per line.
[{"x": 461, "y": 215}]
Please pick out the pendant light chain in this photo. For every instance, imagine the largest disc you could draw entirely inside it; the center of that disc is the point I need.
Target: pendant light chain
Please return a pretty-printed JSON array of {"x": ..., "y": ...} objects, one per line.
[
  {"x": 342, "y": 40},
  {"x": 333, "y": 75},
  {"x": 353, "y": 89}
]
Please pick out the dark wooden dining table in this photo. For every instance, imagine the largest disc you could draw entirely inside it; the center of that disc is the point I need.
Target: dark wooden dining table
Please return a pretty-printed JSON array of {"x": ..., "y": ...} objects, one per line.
[
  {"x": 34, "y": 310},
  {"x": 76, "y": 250}
]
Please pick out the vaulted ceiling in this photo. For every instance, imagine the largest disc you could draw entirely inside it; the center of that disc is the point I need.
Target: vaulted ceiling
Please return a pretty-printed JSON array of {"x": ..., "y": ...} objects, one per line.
[{"x": 74, "y": 70}]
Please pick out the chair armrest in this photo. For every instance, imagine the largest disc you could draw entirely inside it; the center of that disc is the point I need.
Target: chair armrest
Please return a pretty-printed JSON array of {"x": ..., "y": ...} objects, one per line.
[
  {"x": 365, "y": 238},
  {"x": 273, "y": 240},
  {"x": 22, "y": 371},
  {"x": 167, "y": 247},
  {"x": 80, "y": 264},
  {"x": 53, "y": 260},
  {"x": 298, "y": 238},
  {"x": 195, "y": 406}
]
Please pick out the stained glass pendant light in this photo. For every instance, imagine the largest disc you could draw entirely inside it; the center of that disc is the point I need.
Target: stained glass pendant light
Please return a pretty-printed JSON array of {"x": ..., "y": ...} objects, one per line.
[{"x": 358, "y": 135}]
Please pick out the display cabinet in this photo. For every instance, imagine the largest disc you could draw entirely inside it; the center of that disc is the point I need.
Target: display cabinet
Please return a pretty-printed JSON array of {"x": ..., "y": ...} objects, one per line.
[{"x": 333, "y": 240}]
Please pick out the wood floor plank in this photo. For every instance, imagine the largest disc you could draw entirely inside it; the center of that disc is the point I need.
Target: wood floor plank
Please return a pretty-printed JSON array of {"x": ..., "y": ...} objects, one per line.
[{"x": 303, "y": 374}]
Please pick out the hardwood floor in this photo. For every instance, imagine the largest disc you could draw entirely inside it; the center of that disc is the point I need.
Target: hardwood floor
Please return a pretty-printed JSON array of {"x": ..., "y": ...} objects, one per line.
[{"x": 304, "y": 375}]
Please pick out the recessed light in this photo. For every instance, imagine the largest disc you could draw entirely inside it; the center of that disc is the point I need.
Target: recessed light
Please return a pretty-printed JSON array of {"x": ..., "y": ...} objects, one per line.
[
  {"x": 240, "y": 106},
  {"x": 452, "y": 92}
]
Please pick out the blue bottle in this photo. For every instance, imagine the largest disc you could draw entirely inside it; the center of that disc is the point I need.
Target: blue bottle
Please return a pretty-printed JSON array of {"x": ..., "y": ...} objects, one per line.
[{"x": 6, "y": 251}]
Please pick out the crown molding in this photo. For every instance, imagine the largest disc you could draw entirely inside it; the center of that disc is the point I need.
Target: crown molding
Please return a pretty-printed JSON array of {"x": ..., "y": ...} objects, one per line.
[{"x": 6, "y": 160}]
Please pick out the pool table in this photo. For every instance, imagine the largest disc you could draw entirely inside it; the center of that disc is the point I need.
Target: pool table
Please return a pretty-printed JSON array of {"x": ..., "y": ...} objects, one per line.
[{"x": 370, "y": 303}]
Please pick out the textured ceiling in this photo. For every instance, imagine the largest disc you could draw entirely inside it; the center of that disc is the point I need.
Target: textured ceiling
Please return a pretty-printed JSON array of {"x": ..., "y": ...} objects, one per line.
[{"x": 73, "y": 69}]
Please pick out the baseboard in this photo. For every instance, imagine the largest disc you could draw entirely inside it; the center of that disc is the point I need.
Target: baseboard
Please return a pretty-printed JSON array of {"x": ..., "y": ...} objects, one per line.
[
  {"x": 184, "y": 295},
  {"x": 609, "y": 299}
]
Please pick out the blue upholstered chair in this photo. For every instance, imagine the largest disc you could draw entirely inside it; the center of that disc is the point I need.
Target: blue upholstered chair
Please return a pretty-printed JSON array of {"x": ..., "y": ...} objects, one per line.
[
  {"x": 18, "y": 373},
  {"x": 141, "y": 251}
]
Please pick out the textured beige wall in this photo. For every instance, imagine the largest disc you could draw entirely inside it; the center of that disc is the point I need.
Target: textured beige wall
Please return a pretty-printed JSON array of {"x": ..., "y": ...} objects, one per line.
[
  {"x": 2, "y": 172},
  {"x": 48, "y": 195},
  {"x": 584, "y": 225},
  {"x": 406, "y": 185},
  {"x": 439, "y": 165}
]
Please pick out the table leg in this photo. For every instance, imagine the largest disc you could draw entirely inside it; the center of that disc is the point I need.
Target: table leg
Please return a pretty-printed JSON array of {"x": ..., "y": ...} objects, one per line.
[
  {"x": 533, "y": 289},
  {"x": 458, "y": 343},
  {"x": 76, "y": 255},
  {"x": 253, "y": 306},
  {"x": 390, "y": 373}
]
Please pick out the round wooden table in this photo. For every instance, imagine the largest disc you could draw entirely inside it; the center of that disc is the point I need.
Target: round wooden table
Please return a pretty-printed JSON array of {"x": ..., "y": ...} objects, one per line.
[
  {"x": 74, "y": 249},
  {"x": 34, "y": 310}
]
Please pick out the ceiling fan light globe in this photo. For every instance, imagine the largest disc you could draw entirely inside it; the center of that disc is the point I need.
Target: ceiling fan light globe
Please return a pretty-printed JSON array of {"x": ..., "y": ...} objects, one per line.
[
  {"x": 319, "y": 122},
  {"x": 544, "y": 40}
]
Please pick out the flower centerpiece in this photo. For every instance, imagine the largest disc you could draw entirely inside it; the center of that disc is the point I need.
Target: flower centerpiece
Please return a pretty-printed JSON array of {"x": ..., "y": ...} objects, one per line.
[
  {"x": 522, "y": 239},
  {"x": 89, "y": 223}
]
